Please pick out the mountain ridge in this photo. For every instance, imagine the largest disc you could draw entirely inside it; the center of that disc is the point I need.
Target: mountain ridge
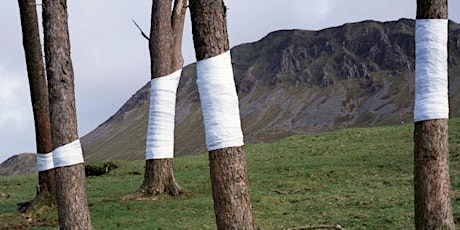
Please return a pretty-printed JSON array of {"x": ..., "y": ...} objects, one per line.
[
  {"x": 292, "y": 82},
  {"x": 289, "y": 82}
]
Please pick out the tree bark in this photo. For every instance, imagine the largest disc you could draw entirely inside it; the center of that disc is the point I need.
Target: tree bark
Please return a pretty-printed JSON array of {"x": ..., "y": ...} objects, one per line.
[
  {"x": 431, "y": 154},
  {"x": 431, "y": 9},
  {"x": 230, "y": 188},
  {"x": 39, "y": 98},
  {"x": 209, "y": 28},
  {"x": 165, "y": 45},
  {"x": 159, "y": 178},
  {"x": 431, "y": 181},
  {"x": 70, "y": 180},
  {"x": 228, "y": 167}
]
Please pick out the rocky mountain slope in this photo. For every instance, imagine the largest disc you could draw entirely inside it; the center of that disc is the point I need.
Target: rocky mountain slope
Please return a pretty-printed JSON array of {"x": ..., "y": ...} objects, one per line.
[
  {"x": 294, "y": 81},
  {"x": 19, "y": 164}
]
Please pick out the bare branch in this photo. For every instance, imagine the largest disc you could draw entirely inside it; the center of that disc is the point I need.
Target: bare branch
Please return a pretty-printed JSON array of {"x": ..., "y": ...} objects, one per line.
[
  {"x": 279, "y": 191},
  {"x": 338, "y": 227},
  {"x": 177, "y": 25},
  {"x": 142, "y": 32},
  {"x": 299, "y": 190},
  {"x": 178, "y": 14},
  {"x": 178, "y": 7}
]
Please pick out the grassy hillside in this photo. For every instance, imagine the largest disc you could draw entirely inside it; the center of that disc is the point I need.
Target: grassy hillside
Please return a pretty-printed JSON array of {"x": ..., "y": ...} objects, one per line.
[
  {"x": 293, "y": 82},
  {"x": 357, "y": 178}
]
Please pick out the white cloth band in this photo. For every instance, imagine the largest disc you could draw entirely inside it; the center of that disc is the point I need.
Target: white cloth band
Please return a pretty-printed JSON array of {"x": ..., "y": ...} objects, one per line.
[
  {"x": 68, "y": 154},
  {"x": 431, "y": 90},
  {"x": 160, "y": 133},
  {"x": 45, "y": 161},
  {"x": 219, "y": 102}
]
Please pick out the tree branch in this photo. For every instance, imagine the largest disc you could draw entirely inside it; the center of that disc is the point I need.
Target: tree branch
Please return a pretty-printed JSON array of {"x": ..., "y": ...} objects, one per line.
[
  {"x": 299, "y": 190},
  {"x": 177, "y": 25},
  {"x": 142, "y": 32},
  {"x": 338, "y": 227},
  {"x": 179, "y": 8}
]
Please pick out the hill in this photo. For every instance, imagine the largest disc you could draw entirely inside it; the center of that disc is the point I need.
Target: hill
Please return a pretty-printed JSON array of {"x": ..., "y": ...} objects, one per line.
[
  {"x": 358, "y": 178},
  {"x": 19, "y": 164},
  {"x": 294, "y": 82}
]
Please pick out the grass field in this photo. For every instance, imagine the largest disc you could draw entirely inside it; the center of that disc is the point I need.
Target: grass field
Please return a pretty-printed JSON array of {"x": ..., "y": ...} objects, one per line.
[{"x": 358, "y": 178}]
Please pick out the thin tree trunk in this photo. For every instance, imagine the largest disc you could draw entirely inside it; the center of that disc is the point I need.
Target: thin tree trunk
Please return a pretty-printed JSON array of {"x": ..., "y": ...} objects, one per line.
[
  {"x": 228, "y": 167},
  {"x": 39, "y": 97},
  {"x": 70, "y": 180},
  {"x": 165, "y": 58},
  {"x": 431, "y": 154}
]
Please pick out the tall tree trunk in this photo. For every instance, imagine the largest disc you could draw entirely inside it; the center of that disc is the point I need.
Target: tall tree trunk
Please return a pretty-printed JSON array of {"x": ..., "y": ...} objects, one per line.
[
  {"x": 39, "y": 97},
  {"x": 431, "y": 182},
  {"x": 165, "y": 58},
  {"x": 228, "y": 166},
  {"x": 70, "y": 179},
  {"x": 431, "y": 154}
]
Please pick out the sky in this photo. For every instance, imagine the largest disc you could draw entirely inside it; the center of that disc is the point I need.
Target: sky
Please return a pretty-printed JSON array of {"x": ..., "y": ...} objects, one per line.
[{"x": 111, "y": 58}]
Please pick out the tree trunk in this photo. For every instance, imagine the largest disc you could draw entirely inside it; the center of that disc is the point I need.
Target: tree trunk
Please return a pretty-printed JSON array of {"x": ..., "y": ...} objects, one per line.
[
  {"x": 228, "y": 166},
  {"x": 165, "y": 58},
  {"x": 432, "y": 200},
  {"x": 70, "y": 180},
  {"x": 159, "y": 178},
  {"x": 230, "y": 190},
  {"x": 39, "y": 97},
  {"x": 431, "y": 154},
  {"x": 209, "y": 28}
]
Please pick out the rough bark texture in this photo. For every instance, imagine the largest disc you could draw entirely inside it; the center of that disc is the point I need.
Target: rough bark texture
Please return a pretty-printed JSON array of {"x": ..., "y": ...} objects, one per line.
[
  {"x": 431, "y": 154},
  {"x": 431, "y": 9},
  {"x": 39, "y": 98},
  {"x": 70, "y": 180},
  {"x": 161, "y": 179},
  {"x": 230, "y": 188},
  {"x": 165, "y": 45},
  {"x": 209, "y": 28},
  {"x": 431, "y": 180},
  {"x": 228, "y": 166},
  {"x": 161, "y": 39}
]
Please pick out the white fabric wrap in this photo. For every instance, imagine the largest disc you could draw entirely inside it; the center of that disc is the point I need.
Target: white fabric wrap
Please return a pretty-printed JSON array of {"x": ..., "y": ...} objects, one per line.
[
  {"x": 68, "y": 154},
  {"x": 160, "y": 133},
  {"x": 219, "y": 102},
  {"x": 45, "y": 161},
  {"x": 431, "y": 90}
]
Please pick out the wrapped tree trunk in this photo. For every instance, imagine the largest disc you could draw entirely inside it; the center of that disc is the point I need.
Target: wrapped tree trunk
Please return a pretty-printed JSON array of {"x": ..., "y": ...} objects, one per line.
[
  {"x": 166, "y": 61},
  {"x": 228, "y": 166},
  {"x": 39, "y": 98},
  {"x": 67, "y": 154},
  {"x": 431, "y": 152}
]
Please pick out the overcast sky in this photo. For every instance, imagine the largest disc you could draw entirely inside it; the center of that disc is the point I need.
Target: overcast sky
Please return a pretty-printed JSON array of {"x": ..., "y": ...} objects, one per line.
[{"x": 111, "y": 61}]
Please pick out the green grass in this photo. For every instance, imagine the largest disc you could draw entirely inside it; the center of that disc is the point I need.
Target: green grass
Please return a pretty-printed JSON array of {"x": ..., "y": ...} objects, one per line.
[{"x": 358, "y": 178}]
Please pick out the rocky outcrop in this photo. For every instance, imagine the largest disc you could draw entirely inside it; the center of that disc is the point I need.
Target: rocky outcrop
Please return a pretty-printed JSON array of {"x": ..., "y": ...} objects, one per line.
[{"x": 294, "y": 81}]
